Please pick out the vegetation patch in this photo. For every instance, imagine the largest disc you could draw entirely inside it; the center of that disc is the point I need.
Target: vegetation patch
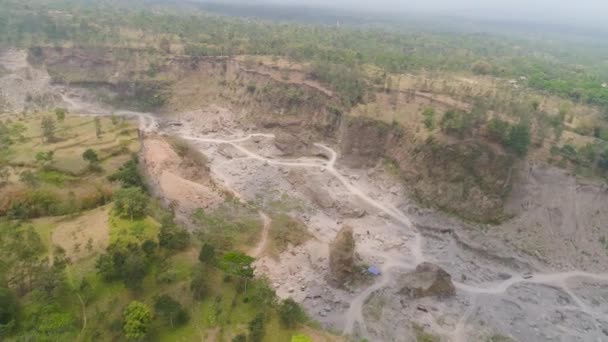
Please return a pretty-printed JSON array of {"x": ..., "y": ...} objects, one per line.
[{"x": 286, "y": 231}]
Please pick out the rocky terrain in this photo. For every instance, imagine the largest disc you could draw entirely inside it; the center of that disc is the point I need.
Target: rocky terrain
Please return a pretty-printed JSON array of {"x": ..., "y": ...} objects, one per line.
[{"x": 540, "y": 276}]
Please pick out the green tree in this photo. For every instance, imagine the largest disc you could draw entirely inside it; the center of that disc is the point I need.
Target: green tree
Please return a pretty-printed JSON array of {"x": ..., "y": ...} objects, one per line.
[
  {"x": 60, "y": 114},
  {"x": 130, "y": 202},
  {"x": 173, "y": 237},
  {"x": 171, "y": 311},
  {"x": 207, "y": 254},
  {"x": 198, "y": 285},
  {"x": 50, "y": 280},
  {"x": 256, "y": 328},
  {"x": 134, "y": 270},
  {"x": 137, "y": 317},
  {"x": 8, "y": 311},
  {"x": 238, "y": 264},
  {"x": 519, "y": 138},
  {"x": 28, "y": 178},
  {"x": 149, "y": 247},
  {"x": 48, "y": 128},
  {"x": 290, "y": 313},
  {"x": 91, "y": 156}
]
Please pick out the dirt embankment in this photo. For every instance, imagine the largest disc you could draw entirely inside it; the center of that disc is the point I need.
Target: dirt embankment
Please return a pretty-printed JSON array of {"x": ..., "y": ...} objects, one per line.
[{"x": 178, "y": 178}]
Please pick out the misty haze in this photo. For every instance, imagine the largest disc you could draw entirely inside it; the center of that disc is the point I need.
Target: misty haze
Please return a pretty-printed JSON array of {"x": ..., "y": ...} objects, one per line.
[{"x": 346, "y": 171}]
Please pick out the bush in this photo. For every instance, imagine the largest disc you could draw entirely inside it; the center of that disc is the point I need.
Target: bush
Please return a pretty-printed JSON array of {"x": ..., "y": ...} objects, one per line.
[
  {"x": 519, "y": 139},
  {"x": 198, "y": 287},
  {"x": 498, "y": 130},
  {"x": 256, "y": 328},
  {"x": 128, "y": 175},
  {"x": 173, "y": 237},
  {"x": 482, "y": 68},
  {"x": 130, "y": 202},
  {"x": 290, "y": 313},
  {"x": 207, "y": 254},
  {"x": 429, "y": 118},
  {"x": 456, "y": 122},
  {"x": 60, "y": 114}
]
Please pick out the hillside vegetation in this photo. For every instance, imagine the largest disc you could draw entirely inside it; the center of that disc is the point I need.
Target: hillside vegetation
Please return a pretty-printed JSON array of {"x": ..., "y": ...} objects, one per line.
[{"x": 87, "y": 255}]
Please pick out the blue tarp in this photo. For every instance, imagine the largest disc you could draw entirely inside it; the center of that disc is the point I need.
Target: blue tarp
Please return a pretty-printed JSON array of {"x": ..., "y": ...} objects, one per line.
[{"x": 373, "y": 270}]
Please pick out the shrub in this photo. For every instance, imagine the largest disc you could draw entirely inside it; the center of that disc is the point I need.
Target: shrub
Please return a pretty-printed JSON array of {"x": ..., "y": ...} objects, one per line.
[
  {"x": 498, "y": 130},
  {"x": 128, "y": 175},
  {"x": 519, "y": 138},
  {"x": 290, "y": 313},
  {"x": 173, "y": 237},
  {"x": 457, "y": 122},
  {"x": 429, "y": 118},
  {"x": 60, "y": 114},
  {"x": 130, "y": 202},
  {"x": 482, "y": 68},
  {"x": 256, "y": 328}
]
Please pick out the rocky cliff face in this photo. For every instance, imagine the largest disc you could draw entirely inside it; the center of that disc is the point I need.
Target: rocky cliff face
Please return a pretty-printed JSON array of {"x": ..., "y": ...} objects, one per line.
[{"x": 465, "y": 178}]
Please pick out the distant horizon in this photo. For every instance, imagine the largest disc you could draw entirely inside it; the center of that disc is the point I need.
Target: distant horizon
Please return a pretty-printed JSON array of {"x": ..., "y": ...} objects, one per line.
[{"x": 585, "y": 14}]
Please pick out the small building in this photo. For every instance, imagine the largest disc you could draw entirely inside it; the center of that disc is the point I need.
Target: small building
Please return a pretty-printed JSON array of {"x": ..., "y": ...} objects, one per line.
[{"x": 374, "y": 270}]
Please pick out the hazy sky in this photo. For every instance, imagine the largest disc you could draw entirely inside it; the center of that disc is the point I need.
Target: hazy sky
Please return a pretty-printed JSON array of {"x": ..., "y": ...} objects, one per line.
[{"x": 559, "y": 11}]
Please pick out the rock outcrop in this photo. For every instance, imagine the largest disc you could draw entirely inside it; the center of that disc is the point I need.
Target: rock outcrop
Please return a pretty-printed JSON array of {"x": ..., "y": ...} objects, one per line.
[
  {"x": 342, "y": 257},
  {"x": 428, "y": 280},
  {"x": 291, "y": 144}
]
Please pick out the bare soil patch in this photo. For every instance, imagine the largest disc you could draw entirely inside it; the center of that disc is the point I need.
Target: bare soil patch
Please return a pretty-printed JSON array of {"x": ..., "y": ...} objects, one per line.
[{"x": 85, "y": 235}]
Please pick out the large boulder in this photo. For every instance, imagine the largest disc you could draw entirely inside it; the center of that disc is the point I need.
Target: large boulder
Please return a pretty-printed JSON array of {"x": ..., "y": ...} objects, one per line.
[
  {"x": 428, "y": 280},
  {"x": 342, "y": 257}
]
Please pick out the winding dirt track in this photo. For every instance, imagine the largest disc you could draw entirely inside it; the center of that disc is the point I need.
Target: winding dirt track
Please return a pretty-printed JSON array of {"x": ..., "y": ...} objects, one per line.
[{"x": 261, "y": 246}]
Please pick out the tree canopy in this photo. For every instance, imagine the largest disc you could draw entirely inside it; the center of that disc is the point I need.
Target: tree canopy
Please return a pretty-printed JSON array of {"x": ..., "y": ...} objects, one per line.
[{"x": 137, "y": 317}]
